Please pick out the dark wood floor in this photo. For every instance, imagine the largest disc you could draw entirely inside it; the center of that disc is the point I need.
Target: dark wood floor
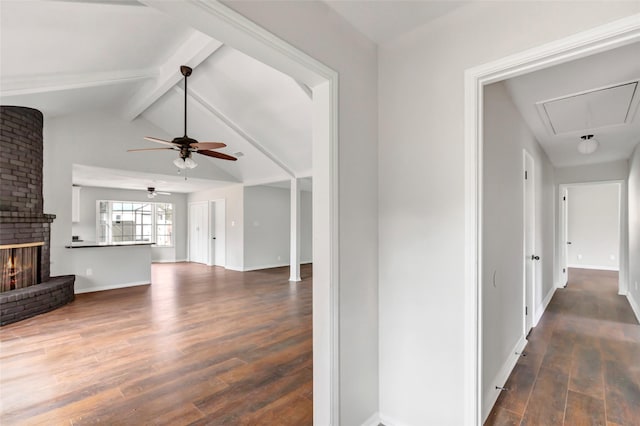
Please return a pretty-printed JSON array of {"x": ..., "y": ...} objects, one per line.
[
  {"x": 202, "y": 345},
  {"x": 582, "y": 363}
]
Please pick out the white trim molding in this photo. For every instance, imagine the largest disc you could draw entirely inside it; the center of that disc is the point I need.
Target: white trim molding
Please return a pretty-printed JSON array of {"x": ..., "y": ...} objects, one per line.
[
  {"x": 110, "y": 287},
  {"x": 374, "y": 420},
  {"x": 388, "y": 421},
  {"x": 501, "y": 377},
  {"x": 606, "y": 37},
  {"x": 634, "y": 306},
  {"x": 597, "y": 267},
  {"x": 543, "y": 306}
]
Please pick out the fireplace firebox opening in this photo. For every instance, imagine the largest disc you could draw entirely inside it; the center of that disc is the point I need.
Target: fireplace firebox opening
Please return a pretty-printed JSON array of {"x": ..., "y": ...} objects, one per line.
[{"x": 20, "y": 265}]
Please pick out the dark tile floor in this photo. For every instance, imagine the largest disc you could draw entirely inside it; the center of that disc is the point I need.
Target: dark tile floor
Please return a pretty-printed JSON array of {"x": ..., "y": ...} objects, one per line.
[{"x": 582, "y": 363}]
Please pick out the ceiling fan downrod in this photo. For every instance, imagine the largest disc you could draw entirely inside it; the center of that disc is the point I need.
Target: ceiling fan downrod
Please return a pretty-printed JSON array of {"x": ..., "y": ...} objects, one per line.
[{"x": 186, "y": 72}]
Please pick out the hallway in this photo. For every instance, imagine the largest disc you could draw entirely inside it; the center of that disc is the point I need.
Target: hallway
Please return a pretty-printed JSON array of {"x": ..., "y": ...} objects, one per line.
[{"x": 582, "y": 363}]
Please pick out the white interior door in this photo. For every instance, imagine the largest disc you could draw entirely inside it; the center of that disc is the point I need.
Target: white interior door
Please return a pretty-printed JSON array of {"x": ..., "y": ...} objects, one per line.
[
  {"x": 530, "y": 257},
  {"x": 198, "y": 232},
  {"x": 220, "y": 257},
  {"x": 212, "y": 234},
  {"x": 564, "y": 236}
]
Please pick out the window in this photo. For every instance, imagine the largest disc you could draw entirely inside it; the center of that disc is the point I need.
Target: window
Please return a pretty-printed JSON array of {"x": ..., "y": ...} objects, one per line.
[{"x": 124, "y": 221}]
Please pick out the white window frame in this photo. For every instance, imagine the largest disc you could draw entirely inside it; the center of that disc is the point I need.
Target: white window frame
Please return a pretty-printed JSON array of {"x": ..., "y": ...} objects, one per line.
[{"x": 154, "y": 224}]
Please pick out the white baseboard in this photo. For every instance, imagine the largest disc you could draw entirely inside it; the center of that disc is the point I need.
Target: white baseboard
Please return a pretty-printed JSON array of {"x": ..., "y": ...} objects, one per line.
[
  {"x": 491, "y": 393},
  {"x": 388, "y": 421},
  {"x": 256, "y": 268},
  {"x": 234, "y": 268},
  {"x": 374, "y": 420},
  {"x": 634, "y": 305},
  {"x": 602, "y": 268},
  {"x": 543, "y": 306},
  {"x": 110, "y": 287}
]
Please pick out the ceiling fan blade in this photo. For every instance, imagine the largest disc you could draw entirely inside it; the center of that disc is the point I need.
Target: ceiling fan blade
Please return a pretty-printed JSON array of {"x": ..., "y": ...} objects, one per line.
[
  {"x": 217, "y": 155},
  {"x": 152, "y": 139},
  {"x": 163, "y": 193},
  {"x": 147, "y": 149},
  {"x": 208, "y": 145}
]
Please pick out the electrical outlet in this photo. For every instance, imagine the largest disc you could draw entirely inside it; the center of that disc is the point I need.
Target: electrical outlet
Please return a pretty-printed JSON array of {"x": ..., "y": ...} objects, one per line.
[
  {"x": 612, "y": 257},
  {"x": 89, "y": 272},
  {"x": 579, "y": 257},
  {"x": 280, "y": 258}
]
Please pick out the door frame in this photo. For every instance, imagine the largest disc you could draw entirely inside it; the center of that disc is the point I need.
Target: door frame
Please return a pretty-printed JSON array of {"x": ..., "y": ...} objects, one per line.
[
  {"x": 221, "y": 240},
  {"x": 602, "y": 38},
  {"x": 623, "y": 231},
  {"x": 219, "y": 21},
  {"x": 563, "y": 237},
  {"x": 528, "y": 286}
]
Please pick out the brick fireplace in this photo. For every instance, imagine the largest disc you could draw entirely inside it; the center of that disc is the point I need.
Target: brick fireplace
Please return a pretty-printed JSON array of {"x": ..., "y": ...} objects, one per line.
[{"x": 22, "y": 221}]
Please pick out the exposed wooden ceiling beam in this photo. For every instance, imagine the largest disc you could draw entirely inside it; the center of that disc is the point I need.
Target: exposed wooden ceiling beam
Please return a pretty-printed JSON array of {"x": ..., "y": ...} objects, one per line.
[
  {"x": 14, "y": 86},
  {"x": 237, "y": 129},
  {"x": 192, "y": 53}
]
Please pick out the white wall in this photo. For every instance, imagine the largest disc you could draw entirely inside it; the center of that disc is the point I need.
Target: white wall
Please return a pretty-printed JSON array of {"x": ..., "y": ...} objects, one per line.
[
  {"x": 234, "y": 215},
  {"x": 594, "y": 226},
  {"x": 267, "y": 212},
  {"x": 634, "y": 231},
  {"x": 421, "y": 190},
  {"x": 505, "y": 136},
  {"x": 317, "y": 30},
  {"x": 106, "y": 268},
  {"x": 615, "y": 170},
  {"x": 266, "y": 227},
  {"x": 86, "y": 227}
]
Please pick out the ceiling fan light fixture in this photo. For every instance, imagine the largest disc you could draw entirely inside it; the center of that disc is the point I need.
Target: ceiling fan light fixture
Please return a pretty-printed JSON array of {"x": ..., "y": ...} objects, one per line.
[
  {"x": 179, "y": 163},
  {"x": 588, "y": 145},
  {"x": 189, "y": 163}
]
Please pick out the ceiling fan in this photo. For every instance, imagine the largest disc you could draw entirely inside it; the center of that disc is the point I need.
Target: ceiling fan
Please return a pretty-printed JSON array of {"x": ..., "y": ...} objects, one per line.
[
  {"x": 152, "y": 193},
  {"x": 186, "y": 145}
]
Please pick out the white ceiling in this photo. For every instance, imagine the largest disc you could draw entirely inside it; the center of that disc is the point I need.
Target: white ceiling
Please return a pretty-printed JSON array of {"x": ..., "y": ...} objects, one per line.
[
  {"x": 384, "y": 20},
  {"x": 608, "y": 115},
  {"x": 71, "y": 56}
]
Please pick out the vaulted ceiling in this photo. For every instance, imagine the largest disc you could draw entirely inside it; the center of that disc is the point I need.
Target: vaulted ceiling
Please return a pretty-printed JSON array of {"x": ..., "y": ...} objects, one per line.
[{"x": 66, "y": 57}]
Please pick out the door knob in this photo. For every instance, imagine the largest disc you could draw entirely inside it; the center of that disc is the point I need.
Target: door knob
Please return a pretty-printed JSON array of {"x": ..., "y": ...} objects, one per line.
[
  {"x": 568, "y": 242},
  {"x": 534, "y": 257}
]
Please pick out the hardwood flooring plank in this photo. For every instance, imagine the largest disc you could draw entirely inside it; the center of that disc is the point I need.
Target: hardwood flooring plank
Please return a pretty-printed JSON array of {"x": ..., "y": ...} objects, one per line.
[
  {"x": 622, "y": 389},
  {"x": 586, "y": 371},
  {"x": 155, "y": 355},
  {"x": 547, "y": 402},
  {"x": 502, "y": 417},
  {"x": 584, "y": 410}
]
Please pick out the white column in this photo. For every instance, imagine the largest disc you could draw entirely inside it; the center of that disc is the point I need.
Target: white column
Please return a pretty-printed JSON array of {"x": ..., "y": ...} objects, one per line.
[{"x": 294, "y": 267}]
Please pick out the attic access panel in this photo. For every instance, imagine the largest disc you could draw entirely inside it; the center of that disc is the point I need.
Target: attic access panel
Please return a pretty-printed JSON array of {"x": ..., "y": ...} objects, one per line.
[{"x": 608, "y": 106}]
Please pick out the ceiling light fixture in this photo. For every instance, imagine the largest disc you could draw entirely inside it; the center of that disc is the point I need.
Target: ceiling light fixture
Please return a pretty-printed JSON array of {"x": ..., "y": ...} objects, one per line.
[
  {"x": 185, "y": 163},
  {"x": 587, "y": 145}
]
